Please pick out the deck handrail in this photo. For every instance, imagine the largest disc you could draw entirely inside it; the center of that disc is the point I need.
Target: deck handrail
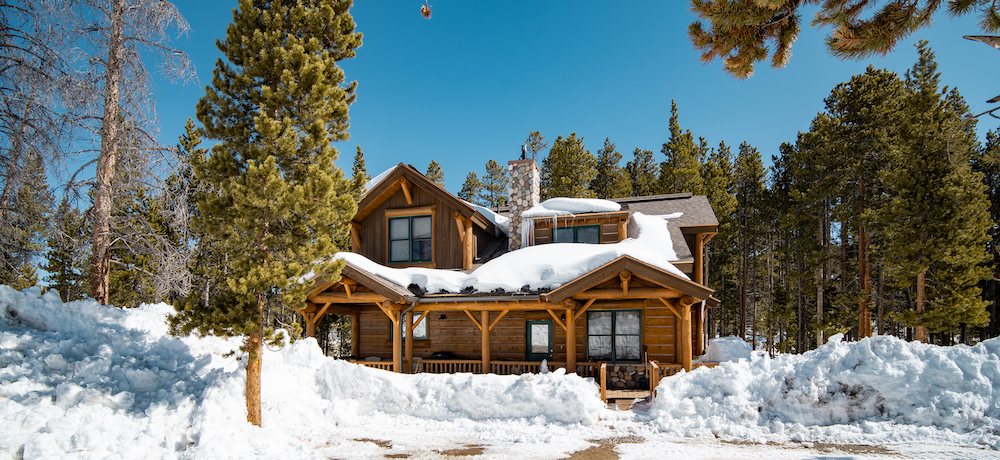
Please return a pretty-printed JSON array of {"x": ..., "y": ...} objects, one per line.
[
  {"x": 604, "y": 381},
  {"x": 666, "y": 370},
  {"x": 447, "y": 366},
  {"x": 384, "y": 365},
  {"x": 654, "y": 378}
]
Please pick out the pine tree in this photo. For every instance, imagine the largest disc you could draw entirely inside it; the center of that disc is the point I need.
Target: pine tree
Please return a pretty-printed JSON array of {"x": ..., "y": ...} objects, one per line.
[
  {"x": 749, "y": 223},
  {"x": 987, "y": 163},
  {"x": 568, "y": 169},
  {"x": 359, "y": 176},
  {"x": 720, "y": 256},
  {"x": 642, "y": 173},
  {"x": 277, "y": 102},
  {"x": 935, "y": 224},
  {"x": 612, "y": 180},
  {"x": 435, "y": 174},
  {"x": 66, "y": 259},
  {"x": 680, "y": 172},
  {"x": 28, "y": 218},
  {"x": 495, "y": 185},
  {"x": 471, "y": 189},
  {"x": 536, "y": 144}
]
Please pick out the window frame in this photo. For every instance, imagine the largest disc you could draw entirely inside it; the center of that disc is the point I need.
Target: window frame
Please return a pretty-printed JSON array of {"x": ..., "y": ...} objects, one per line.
[
  {"x": 409, "y": 214},
  {"x": 576, "y": 233},
  {"x": 613, "y": 335}
]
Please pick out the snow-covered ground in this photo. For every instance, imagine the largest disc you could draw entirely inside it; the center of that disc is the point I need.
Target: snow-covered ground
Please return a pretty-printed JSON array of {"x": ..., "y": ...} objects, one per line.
[{"x": 80, "y": 380}]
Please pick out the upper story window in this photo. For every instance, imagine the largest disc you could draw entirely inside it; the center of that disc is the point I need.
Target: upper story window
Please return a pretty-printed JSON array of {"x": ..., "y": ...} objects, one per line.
[
  {"x": 578, "y": 234},
  {"x": 410, "y": 239}
]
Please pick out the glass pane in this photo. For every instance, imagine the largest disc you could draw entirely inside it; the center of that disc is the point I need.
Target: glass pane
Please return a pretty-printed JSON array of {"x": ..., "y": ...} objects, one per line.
[
  {"x": 599, "y": 323},
  {"x": 399, "y": 251},
  {"x": 399, "y": 229},
  {"x": 627, "y": 347},
  {"x": 627, "y": 322},
  {"x": 540, "y": 338},
  {"x": 421, "y": 251},
  {"x": 421, "y": 227},
  {"x": 588, "y": 235},
  {"x": 563, "y": 235},
  {"x": 599, "y": 347},
  {"x": 420, "y": 332}
]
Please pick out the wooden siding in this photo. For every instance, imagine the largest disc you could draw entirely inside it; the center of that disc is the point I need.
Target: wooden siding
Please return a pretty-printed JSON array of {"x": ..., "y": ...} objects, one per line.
[
  {"x": 456, "y": 333},
  {"x": 608, "y": 223},
  {"x": 447, "y": 246}
]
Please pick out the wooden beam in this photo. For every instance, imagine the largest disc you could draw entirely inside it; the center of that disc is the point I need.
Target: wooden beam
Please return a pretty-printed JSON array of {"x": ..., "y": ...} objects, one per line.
[
  {"x": 459, "y": 219},
  {"x": 685, "y": 337},
  {"x": 322, "y": 311},
  {"x": 355, "y": 335},
  {"x": 393, "y": 315},
  {"x": 671, "y": 307},
  {"x": 473, "y": 318},
  {"x": 585, "y": 307},
  {"x": 501, "y": 315},
  {"x": 556, "y": 317},
  {"x": 491, "y": 306},
  {"x": 622, "y": 230},
  {"x": 633, "y": 293},
  {"x": 468, "y": 246},
  {"x": 486, "y": 341},
  {"x": 420, "y": 319},
  {"x": 625, "y": 276},
  {"x": 347, "y": 290},
  {"x": 405, "y": 184},
  {"x": 571, "y": 340},
  {"x": 356, "y": 236},
  {"x": 699, "y": 259},
  {"x": 333, "y": 309},
  {"x": 355, "y": 297},
  {"x": 687, "y": 301},
  {"x": 408, "y": 362},
  {"x": 418, "y": 210},
  {"x": 318, "y": 289}
]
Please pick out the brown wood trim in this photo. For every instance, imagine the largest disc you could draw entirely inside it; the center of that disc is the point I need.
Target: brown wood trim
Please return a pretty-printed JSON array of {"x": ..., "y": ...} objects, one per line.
[
  {"x": 692, "y": 229},
  {"x": 491, "y": 306},
  {"x": 414, "y": 211},
  {"x": 392, "y": 292},
  {"x": 501, "y": 315},
  {"x": 473, "y": 318}
]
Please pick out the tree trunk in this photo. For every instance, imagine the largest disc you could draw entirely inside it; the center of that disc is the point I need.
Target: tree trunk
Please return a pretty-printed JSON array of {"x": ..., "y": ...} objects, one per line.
[
  {"x": 921, "y": 331},
  {"x": 101, "y": 264},
  {"x": 864, "y": 316},
  {"x": 820, "y": 280},
  {"x": 254, "y": 344}
]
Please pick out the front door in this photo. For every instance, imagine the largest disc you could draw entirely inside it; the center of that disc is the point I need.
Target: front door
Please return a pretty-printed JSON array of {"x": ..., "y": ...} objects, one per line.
[{"x": 539, "y": 335}]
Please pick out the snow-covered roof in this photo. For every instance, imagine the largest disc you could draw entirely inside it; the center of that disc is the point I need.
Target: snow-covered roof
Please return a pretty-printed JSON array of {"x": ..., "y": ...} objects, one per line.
[
  {"x": 566, "y": 206},
  {"x": 375, "y": 180},
  {"x": 535, "y": 268},
  {"x": 501, "y": 222}
]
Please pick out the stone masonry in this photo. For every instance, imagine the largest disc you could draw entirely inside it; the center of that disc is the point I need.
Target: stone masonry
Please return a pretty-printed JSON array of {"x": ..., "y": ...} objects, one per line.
[{"x": 524, "y": 193}]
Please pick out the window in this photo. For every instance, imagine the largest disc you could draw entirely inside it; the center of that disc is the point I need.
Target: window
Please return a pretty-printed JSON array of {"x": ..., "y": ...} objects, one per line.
[
  {"x": 419, "y": 332},
  {"x": 539, "y": 335},
  {"x": 410, "y": 239},
  {"x": 579, "y": 234},
  {"x": 614, "y": 335}
]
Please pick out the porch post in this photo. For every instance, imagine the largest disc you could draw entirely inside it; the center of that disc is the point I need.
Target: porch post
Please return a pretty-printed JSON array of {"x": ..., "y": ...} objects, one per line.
[
  {"x": 685, "y": 332},
  {"x": 409, "y": 342},
  {"x": 571, "y": 340},
  {"x": 486, "y": 341},
  {"x": 396, "y": 339},
  {"x": 310, "y": 325}
]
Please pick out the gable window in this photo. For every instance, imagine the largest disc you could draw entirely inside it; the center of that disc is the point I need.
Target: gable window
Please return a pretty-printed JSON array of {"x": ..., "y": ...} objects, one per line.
[
  {"x": 578, "y": 234},
  {"x": 410, "y": 239},
  {"x": 614, "y": 335}
]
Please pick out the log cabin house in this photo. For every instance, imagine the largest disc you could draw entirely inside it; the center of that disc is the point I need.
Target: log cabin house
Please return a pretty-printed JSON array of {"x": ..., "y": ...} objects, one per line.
[{"x": 434, "y": 284}]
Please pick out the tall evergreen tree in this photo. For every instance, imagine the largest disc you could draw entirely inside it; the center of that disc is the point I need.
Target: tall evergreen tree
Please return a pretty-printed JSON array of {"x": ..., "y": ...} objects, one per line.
[
  {"x": 680, "y": 172},
  {"x": 720, "y": 256},
  {"x": 935, "y": 224},
  {"x": 27, "y": 216},
  {"x": 642, "y": 173},
  {"x": 568, "y": 169},
  {"x": 612, "y": 180},
  {"x": 472, "y": 189},
  {"x": 435, "y": 174},
  {"x": 495, "y": 185},
  {"x": 749, "y": 190},
  {"x": 987, "y": 163},
  {"x": 359, "y": 176},
  {"x": 277, "y": 102}
]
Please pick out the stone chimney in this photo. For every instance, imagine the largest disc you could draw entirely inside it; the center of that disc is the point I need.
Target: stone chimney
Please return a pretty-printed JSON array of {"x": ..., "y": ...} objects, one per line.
[{"x": 524, "y": 193}]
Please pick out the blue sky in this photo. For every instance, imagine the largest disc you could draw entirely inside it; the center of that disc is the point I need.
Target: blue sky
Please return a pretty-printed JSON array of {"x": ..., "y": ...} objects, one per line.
[{"x": 469, "y": 84}]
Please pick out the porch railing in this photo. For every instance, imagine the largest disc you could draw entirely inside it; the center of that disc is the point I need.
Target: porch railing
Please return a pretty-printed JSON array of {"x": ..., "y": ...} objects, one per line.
[
  {"x": 447, "y": 366},
  {"x": 384, "y": 365}
]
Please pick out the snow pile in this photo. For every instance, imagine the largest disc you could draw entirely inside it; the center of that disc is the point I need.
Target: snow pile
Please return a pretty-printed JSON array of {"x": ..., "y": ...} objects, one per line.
[
  {"x": 378, "y": 179},
  {"x": 877, "y": 390},
  {"x": 570, "y": 206},
  {"x": 85, "y": 380},
  {"x": 721, "y": 349},
  {"x": 547, "y": 266}
]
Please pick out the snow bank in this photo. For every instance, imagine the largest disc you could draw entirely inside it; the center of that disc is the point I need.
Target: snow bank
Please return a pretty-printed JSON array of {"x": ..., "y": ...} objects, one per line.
[
  {"x": 89, "y": 381},
  {"x": 721, "y": 349},
  {"x": 570, "y": 206},
  {"x": 877, "y": 390},
  {"x": 547, "y": 266}
]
